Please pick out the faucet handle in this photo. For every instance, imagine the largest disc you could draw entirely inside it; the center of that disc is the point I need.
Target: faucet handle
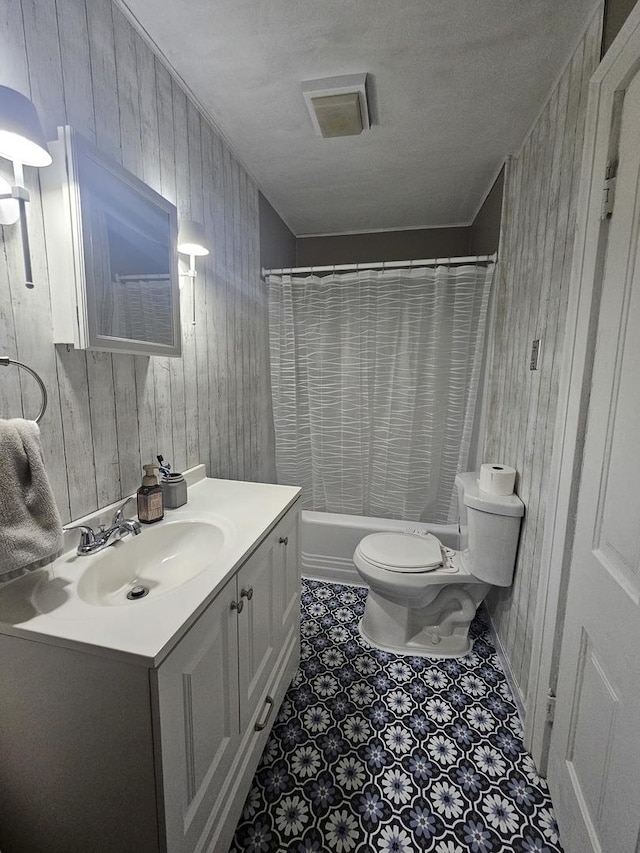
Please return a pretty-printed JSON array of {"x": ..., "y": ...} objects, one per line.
[
  {"x": 87, "y": 536},
  {"x": 118, "y": 516}
]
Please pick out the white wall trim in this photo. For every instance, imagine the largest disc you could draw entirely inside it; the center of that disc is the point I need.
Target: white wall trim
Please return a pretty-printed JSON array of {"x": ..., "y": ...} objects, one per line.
[
  {"x": 620, "y": 63},
  {"x": 384, "y": 230},
  {"x": 506, "y": 668}
]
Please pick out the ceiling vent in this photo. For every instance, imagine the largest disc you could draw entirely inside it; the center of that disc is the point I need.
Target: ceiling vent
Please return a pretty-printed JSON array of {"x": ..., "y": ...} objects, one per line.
[{"x": 338, "y": 105}]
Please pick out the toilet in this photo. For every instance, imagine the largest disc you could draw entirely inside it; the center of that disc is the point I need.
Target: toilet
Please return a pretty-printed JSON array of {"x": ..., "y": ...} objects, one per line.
[{"x": 423, "y": 596}]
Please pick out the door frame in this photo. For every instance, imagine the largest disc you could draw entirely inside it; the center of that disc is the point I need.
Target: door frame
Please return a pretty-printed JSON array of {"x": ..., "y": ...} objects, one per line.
[{"x": 620, "y": 63}]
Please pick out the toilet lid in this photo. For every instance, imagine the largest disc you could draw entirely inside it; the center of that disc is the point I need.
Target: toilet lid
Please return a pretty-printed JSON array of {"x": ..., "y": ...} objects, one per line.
[{"x": 402, "y": 552}]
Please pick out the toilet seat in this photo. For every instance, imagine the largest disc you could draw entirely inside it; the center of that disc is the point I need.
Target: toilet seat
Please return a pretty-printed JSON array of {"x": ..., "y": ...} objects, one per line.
[{"x": 402, "y": 552}]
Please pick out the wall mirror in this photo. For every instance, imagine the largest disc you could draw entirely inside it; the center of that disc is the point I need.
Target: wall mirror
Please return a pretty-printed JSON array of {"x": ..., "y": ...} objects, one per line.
[{"x": 112, "y": 249}]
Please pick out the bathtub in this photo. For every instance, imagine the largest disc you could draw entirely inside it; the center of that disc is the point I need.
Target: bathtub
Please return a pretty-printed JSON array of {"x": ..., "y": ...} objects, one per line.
[{"x": 329, "y": 540}]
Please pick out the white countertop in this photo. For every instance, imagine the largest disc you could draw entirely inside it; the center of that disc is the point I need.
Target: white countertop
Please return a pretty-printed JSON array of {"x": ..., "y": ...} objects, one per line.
[{"x": 144, "y": 631}]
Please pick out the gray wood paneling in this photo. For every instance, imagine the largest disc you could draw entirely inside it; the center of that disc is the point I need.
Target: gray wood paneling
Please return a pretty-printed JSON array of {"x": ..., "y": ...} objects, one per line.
[
  {"x": 83, "y": 63},
  {"x": 532, "y": 284}
]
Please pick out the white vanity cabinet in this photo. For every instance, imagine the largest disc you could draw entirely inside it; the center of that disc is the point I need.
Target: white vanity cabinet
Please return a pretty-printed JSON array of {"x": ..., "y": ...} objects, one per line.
[
  {"x": 112, "y": 755},
  {"x": 219, "y": 690}
]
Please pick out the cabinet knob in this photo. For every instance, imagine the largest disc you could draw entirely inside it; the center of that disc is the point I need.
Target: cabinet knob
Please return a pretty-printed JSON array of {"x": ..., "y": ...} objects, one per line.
[
  {"x": 247, "y": 593},
  {"x": 283, "y": 540},
  {"x": 237, "y": 605}
]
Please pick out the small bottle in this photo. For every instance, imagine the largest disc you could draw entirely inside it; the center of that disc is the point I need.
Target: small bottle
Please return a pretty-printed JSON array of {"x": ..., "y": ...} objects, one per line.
[{"x": 150, "y": 500}]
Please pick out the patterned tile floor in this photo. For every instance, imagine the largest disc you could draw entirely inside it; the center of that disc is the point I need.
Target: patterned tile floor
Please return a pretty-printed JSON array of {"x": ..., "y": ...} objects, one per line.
[{"x": 376, "y": 752}]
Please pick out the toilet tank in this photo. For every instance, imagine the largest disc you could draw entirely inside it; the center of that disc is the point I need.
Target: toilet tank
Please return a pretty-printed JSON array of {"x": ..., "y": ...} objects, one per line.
[{"x": 489, "y": 530}]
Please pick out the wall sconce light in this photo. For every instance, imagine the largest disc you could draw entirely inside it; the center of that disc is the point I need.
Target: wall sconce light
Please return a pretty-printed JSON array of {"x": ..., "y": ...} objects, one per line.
[
  {"x": 21, "y": 141},
  {"x": 191, "y": 241}
]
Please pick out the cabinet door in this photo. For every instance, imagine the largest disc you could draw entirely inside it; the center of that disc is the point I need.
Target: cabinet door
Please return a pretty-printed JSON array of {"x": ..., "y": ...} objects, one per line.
[
  {"x": 258, "y": 633},
  {"x": 269, "y": 587},
  {"x": 288, "y": 567},
  {"x": 197, "y": 695}
]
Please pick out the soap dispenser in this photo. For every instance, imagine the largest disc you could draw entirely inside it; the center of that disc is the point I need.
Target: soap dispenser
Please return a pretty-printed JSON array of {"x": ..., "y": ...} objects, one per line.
[{"x": 150, "y": 500}]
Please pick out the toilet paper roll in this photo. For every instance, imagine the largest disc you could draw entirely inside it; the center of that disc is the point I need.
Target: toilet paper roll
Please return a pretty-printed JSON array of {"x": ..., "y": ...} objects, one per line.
[{"x": 497, "y": 479}]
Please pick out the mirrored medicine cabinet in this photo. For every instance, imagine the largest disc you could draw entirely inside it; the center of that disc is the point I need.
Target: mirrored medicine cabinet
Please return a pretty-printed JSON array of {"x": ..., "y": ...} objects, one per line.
[{"x": 112, "y": 253}]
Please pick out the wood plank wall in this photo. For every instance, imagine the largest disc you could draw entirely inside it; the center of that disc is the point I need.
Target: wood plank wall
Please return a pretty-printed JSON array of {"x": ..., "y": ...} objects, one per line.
[
  {"x": 83, "y": 64},
  {"x": 531, "y": 300}
]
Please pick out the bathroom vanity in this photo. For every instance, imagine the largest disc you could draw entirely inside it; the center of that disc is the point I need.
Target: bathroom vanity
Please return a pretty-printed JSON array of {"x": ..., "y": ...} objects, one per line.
[{"x": 137, "y": 725}]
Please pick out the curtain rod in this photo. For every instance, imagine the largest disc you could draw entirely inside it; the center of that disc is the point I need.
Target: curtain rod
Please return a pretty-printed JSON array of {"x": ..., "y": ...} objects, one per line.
[{"x": 384, "y": 265}]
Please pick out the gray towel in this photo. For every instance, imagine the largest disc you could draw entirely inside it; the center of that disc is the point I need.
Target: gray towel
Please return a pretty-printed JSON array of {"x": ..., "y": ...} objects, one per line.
[{"x": 30, "y": 526}]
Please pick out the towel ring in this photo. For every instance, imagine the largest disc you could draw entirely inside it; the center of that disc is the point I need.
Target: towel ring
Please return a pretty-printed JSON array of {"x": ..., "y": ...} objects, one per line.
[{"x": 5, "y": 361}]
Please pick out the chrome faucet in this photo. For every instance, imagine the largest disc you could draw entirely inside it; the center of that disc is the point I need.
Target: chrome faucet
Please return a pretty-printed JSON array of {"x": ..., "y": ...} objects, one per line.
[{"x": 92, "y": 541}]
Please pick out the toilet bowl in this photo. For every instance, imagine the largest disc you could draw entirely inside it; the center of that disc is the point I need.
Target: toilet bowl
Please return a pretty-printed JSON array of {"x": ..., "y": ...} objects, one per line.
[{"x": 423, "y": 596}]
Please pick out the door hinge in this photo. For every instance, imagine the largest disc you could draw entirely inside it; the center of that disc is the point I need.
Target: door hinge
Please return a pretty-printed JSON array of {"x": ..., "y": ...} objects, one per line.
[
  {"x": 609, "y": 190},
  {"x": 551, "y": 707}
]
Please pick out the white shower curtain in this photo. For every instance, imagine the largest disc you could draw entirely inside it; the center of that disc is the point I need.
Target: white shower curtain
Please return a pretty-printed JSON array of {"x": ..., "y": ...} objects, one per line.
[{"x": 375, "y": 379}]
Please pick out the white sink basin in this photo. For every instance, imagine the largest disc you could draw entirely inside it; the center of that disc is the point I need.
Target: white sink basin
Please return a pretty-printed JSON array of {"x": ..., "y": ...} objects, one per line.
[
  {"x": 156, "y": 561},
  {"x": 183, "y": 561}
]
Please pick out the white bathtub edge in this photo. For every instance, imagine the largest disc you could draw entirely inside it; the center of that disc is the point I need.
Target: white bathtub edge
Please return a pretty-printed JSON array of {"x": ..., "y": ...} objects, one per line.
[{"x": 334, "y": 579}]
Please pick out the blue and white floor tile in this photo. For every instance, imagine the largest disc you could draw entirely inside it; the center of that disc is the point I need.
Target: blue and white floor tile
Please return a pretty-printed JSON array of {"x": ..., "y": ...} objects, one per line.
[{"x": 376, "y": 752}]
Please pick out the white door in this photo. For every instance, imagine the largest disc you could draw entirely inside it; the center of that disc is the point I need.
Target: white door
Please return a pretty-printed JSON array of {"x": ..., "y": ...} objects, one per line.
[{"x": 594, "y": 765}]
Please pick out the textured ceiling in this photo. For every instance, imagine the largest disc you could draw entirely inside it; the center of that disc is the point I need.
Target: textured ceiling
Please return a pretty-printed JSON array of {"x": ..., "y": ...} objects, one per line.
[{"x": 454, "y": 87}]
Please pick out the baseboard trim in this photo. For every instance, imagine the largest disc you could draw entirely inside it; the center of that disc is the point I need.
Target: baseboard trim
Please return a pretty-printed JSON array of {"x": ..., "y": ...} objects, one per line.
[{"x": 506, "y": 668}]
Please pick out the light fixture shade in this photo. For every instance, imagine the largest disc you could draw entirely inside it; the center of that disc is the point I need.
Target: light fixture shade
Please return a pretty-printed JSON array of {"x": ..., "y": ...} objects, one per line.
[
  {"x": 191, "y": 238},
  {"x": 21, "y": 136},
  {"x": 9, "y": 210}
]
